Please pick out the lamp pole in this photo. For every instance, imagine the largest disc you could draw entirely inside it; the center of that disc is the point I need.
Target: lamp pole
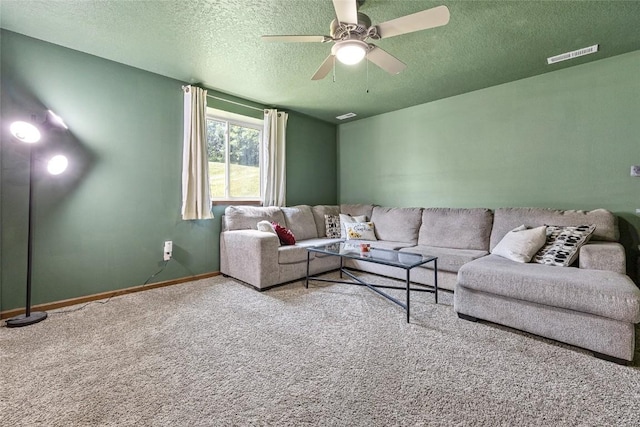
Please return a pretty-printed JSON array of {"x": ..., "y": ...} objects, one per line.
[{"x": 29, "y": 318}]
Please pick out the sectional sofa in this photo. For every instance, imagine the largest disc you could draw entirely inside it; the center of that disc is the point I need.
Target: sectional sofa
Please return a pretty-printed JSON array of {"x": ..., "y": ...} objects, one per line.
[{"x": 591, "y": 304}]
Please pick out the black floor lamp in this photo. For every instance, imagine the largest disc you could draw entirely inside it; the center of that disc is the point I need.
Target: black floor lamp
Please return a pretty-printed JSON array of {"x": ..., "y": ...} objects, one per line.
[{"x": 30, "y": 134}]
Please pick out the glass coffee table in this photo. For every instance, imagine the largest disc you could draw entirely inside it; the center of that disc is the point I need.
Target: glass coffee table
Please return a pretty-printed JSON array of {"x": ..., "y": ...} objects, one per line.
[{"x": 394, "y": 258}]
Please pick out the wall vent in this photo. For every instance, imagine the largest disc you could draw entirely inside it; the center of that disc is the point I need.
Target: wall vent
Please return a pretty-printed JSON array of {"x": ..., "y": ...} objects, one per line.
[
  {"x": 573, "y": 54},
  {"x": 346, "y": 116}
]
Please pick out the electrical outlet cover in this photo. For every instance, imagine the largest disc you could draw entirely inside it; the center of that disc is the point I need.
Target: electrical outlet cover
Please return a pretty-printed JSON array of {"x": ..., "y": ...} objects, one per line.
[{"x": 167, "y": 250}]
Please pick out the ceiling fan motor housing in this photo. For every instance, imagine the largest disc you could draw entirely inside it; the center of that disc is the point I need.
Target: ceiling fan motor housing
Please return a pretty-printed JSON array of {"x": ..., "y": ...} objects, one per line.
[{"x": 360, "y": 31}]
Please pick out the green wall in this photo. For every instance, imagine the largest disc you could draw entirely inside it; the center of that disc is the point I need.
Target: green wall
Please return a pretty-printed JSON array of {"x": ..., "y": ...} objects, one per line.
[
  {"x": 565, "y": 139},
  {"x": 101, "y": 226},
  {"x": 312, "y": 162}
]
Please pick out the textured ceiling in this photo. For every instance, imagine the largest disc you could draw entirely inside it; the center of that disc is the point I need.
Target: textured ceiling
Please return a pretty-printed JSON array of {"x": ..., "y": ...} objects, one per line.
[{"x": 217, "y": 43}]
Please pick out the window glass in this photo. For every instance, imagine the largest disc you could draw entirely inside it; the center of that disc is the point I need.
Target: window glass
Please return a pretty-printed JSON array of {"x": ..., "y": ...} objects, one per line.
[
  {"x": 216, "y": 147},
  {"x": 244, "y": 161},
  {"x": 234, "y": 158}
]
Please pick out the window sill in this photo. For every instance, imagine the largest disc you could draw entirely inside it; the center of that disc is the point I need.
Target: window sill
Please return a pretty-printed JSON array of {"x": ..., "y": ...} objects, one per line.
[{"x": 236, "y": 203}]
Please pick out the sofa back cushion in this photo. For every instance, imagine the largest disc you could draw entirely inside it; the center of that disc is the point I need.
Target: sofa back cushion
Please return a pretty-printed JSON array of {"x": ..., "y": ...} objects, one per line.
[
  {"x": 397, "y": 224},
  {"x": 247, "y": 217},
  {"x": 299, "y": 219},
  {"x": 357, "y": 210},
  {"x": 506, "y": 219},
  {"x": 319, "y": 212},
  {"x": 456, "y": 228}
]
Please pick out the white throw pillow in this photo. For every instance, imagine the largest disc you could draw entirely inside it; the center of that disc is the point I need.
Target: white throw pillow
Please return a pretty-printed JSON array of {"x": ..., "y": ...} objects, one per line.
[
  {"x": 360, "y": 231},
  {"x": 344, "y": 219},
  {"x": 266, "y": 226},
  {"x": 521, "y": 243}
]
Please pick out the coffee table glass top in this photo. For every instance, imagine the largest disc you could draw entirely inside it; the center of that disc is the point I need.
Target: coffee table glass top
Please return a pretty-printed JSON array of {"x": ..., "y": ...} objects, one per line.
[{"x": 394, "y": 258}]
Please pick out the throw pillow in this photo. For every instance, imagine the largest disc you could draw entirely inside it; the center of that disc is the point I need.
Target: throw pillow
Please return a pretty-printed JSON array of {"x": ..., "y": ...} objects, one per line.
[
  {"x": 284, "y": 234},
  {"x": 332, "y": 225},
  {"x": 521, "y": 244},
  {"x": 563, "y": 243},
  {"x": 360, "y": 231},
  {"x": 266, "y": 226},
  {"x": 344, "y": 219}
]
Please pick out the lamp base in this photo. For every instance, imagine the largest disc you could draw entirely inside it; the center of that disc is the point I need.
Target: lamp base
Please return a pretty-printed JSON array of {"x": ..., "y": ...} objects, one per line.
[{"x": 23, "y": 320}]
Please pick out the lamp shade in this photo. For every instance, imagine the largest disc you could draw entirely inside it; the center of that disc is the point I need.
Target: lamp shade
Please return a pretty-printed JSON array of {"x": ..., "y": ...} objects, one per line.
[
  {"x": 350, "y": 52},
  {"x": 25, "y": 132},
  {"x": 57, "y": 164}
]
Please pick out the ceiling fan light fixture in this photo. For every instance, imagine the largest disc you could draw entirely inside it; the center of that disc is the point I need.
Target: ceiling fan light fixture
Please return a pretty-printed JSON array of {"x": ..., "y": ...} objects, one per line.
[{"x": 350, "y": 52}]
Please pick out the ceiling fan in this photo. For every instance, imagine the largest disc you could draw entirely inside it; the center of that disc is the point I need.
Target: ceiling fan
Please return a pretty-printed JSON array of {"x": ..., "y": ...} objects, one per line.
[{"x": 351, "y": 30}]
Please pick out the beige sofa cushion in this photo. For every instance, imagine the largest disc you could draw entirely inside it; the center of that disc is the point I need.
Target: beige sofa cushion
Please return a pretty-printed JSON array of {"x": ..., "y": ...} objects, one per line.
[
  {"x": 299, "y": 219},
  {"x": 247, "y": 217},
  {"x": 293, "y": 254},
  {"x": 603, "y": 256},
  {"x": 397, "y": 224},
  {"x": 457, "y": 228},
  {"x": 357, "y": 210},
  {"x": 448, "y": 259},
  {"x": 506, "y": 219}
]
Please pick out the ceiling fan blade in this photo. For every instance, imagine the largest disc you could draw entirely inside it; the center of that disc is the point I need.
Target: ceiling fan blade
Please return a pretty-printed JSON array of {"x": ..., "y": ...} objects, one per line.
[
  {"x": 346, "y": 11},
  {"x": 324, "y": 69},
  {"x": 385, "y": 60},
  {"x": 298, "y": 39},
  {"x": 429, "y": 18}
]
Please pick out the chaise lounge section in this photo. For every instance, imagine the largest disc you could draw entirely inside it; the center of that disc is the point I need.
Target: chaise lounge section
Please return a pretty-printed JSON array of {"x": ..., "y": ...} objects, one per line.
[{"x": 593, "y": 305}]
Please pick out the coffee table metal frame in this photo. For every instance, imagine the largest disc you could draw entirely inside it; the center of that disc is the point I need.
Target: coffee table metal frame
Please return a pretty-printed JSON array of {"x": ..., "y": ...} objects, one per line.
[{"x": 379, "y": 256}]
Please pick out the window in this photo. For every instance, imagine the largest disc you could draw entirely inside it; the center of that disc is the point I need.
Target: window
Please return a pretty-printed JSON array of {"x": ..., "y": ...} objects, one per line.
[{"x": 235, "y": 157}]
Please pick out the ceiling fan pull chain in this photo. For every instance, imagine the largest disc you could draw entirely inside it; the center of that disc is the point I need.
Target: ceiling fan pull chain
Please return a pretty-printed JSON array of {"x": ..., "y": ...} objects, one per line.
[
  {"x": 334, "y": 69},
  {"x": 367, "y": 61}
]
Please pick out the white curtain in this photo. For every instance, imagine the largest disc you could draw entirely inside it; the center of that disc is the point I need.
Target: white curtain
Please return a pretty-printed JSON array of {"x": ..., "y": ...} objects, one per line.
[
  {"x": 196, "y": 200},
  {"x": 274, "y": 166}
]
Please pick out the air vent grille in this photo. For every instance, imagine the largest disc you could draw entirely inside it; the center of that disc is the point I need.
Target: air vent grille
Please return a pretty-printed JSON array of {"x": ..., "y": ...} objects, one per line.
[
  {"x": 574, "y": 54},
  {"x": 346, "y": 116}
]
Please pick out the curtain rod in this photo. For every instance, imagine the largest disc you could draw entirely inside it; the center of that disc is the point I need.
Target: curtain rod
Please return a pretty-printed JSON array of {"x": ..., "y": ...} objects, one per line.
[{"x": 234, "y": 102}]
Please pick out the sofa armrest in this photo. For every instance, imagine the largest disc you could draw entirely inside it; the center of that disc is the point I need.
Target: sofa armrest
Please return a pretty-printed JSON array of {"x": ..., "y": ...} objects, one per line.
[
  {"x": 250, "y": 256},
  {"x": 603, "y": 256}
]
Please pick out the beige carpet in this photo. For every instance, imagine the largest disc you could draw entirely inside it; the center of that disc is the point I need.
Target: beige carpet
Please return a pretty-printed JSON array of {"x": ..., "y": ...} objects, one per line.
[{"x": 216, "y": 353}]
